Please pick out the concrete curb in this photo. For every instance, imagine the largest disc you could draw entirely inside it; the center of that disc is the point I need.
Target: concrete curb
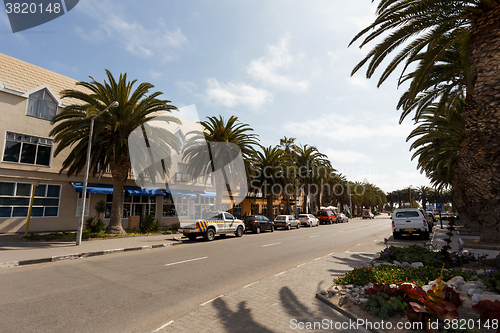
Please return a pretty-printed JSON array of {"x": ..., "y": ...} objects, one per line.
[
  {"x": 345, "y": 312},
  {"x": 82, "y": 255}
]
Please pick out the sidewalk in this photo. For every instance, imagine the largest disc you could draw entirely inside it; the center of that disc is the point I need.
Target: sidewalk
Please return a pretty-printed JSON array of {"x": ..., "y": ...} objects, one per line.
[{"x": 16, "y": 251}]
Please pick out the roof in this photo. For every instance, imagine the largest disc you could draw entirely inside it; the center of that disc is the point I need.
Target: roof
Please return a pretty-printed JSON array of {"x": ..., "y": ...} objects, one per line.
[{"x": 21, "y": 77}]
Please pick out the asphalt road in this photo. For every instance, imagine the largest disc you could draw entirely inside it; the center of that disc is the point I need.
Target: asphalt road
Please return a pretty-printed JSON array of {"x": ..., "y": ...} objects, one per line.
[{"x": 140, "y": 291}]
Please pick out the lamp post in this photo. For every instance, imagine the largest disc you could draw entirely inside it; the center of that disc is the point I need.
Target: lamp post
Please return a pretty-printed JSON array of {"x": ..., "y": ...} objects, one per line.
[
  {"x": 409, "y": 190},
  {"x": 35, "y": 184},
  {"x": 86, "y": 177}
]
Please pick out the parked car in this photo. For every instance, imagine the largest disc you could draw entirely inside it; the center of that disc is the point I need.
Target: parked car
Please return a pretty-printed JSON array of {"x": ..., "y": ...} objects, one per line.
[
  {"x": 308, "y": 220},
  {"x": 367, "y": 214},
  {"x": 326, "y": 217},
  {"x": 410, "y": 221},
  {"x": 342, "y": 218},
  {"x": 258, "y": 223},
  {"x": 286, "y": 222}
]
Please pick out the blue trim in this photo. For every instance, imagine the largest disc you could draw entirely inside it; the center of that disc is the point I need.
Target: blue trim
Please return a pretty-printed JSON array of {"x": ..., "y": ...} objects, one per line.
[{"x": 93, "y": 188}]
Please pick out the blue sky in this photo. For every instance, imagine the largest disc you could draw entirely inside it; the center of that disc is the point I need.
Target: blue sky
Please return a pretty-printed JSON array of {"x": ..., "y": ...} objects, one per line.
[{"x": 281, "y": 66}]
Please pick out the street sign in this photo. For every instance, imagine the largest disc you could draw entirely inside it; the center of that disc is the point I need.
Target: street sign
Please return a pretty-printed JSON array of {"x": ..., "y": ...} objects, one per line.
[{"x": 439, "y": 207}]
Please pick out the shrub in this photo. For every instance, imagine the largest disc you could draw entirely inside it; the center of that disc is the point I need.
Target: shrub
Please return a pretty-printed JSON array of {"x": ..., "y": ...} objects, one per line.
[
  {"x": 94, "y": 225},
  {"x": 383, "y": 306},
  {"x": 388, "y": 274},
  {"x": 147, "y": 223}
]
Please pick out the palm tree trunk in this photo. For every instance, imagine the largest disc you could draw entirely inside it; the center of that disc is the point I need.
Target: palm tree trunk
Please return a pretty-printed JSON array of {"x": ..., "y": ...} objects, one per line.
[
  {"x": 481, "y": 153},
  {"x": 119, "y": 172}
]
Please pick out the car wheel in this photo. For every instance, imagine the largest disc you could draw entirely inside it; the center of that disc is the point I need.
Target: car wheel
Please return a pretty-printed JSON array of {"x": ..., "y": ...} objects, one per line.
[
  {"x": 257, "y": 230},
  {"x": 210, "y": 235},
  {"x": 272, "y": 228},
  {"x": 191, "y": 237},
  {"x": 288, "y": 227},
  {"x": 239, "y": 232},
  {"x": 298, "y": 225}
]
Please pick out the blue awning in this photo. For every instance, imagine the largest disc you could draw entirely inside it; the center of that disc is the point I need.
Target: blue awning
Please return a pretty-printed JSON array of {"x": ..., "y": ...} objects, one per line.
[
  {"x": 144, "y": 191},
  {"x": 182, "y": 193},
  {"x": 207, "y": 194},
  {"x": 93, "y": 188}
]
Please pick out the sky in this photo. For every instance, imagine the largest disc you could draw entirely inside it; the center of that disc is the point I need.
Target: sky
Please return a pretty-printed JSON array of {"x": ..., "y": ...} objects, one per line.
[{"x": 282, "y": 67}]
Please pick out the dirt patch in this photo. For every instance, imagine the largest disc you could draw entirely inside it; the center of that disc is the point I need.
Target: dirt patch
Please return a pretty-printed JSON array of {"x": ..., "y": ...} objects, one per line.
[{"x": 465, "y": 312}]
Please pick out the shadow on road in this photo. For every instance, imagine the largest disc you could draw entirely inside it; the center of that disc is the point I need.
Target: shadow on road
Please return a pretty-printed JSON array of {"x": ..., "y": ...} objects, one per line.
[{"x": 234, "y": 320}]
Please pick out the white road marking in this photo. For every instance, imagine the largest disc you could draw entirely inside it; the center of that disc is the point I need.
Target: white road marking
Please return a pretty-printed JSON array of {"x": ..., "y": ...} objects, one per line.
[
  {"x": 251, "y": 284},
  {"x": 162, "y": 327},
  {"x": 280, "y": 273},
  {"x": 271, "y": 244},
  {"x": 313, "y": 236},
  {"x": 302, "y": 264},
  {"x": 203, "y": 304},
  {"x": 331, "y": 254},
  {"x": 318, "y": 259},
  {"x": 181, "y": 262}
]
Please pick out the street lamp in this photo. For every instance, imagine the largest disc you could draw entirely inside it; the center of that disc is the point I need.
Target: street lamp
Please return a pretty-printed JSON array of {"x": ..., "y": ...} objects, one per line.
[
  {"x": 87, "y": 165},
  {"x": 35, "y": 184},
  {"x": 409, "y": 190}
]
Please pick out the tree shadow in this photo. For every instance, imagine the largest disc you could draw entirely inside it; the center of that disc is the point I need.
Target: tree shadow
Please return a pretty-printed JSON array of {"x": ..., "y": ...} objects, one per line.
[{"x": 234, "y": 320}]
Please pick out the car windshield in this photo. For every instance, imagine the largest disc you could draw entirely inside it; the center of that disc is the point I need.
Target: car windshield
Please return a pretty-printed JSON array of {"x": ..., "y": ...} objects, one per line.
[
  {"x": 280, "y": 218},
  {"x": 248, "y": 218},
  {"x": 303, "y": 215},
  {"x": 407, "y": 214},
  {"x": 322, "y": 214}
]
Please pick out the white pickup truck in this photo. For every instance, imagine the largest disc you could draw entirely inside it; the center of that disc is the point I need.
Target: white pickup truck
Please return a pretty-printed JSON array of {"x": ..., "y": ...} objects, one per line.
[
  {"x": 410, "y": 221},
  {"x": 214, "y": 223}
]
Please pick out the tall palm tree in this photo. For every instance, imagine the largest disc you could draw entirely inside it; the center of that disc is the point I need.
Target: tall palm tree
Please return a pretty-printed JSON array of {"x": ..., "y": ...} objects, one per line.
[
  {"x": 111, "y": 131},
  {"x": 269, "y": 178},
  {"x": 415, "y": 25},
  {"x": 205, "y": 156},
  {"x": 309, "y": 163}
]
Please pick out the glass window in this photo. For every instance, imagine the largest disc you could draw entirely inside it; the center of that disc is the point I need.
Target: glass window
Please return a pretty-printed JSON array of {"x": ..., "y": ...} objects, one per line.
[
  {"x": 20, "y": 212},
  {"x": 53, "y": 191},
  {"x": 40, "y": 190},
  {"x": 7, "y": 188},
  {"x": 23, "y": 190},
  {"x": 27, "y": 149},
  {"x": 41, "y": 105}
]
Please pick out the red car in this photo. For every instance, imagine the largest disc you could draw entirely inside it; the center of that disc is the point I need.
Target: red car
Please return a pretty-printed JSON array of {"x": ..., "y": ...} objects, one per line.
[{"x": 326, "y": 217}]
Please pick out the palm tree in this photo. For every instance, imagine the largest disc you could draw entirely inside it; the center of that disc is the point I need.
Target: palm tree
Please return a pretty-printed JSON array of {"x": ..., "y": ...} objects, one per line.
[
  {"x": 418, "y": 24},
  {"x": 207, "y": 152},
  {"x": 269, "y": 177},
  {"x": 112, "y": 129},
  {"x": 309, "y": 163}
]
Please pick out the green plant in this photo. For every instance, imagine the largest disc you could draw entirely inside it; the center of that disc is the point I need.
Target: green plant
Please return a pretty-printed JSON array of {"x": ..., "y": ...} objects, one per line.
[
  {"x": 94, "y": 225},
  {"x": 492, "y": 280},
  {"x": 147, "y": 223},
  {"x": 383, "y": 306},
  {"x": 388, "y": 274},
  {"x": 100, "y": 207},
  {"x": 156, "y": 226}
]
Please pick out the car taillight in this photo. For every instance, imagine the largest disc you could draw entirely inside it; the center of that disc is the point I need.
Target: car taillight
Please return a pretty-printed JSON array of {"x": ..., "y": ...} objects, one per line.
[
  {"x": 393, "y": 225},
  {"x": 307, "y": 218},
  {"x": 425, "y": 224},
  {"x": 254, "y": 222}
]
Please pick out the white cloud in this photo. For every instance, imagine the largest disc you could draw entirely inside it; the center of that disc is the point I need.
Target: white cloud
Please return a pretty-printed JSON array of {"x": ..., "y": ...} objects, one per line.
[
  {"x": 265, "y": 69},
  {"x": 350, "y": 128},
  {"x": 137, "y": 39},
  {"x": 234, "y": 94},
  {"x": 347, "y": 156},
  {"x": 186, "y": 85}
]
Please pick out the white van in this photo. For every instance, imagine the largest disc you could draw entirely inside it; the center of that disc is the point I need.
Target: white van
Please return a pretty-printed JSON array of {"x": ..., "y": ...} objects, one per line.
[{"x": 410, "y": 221}]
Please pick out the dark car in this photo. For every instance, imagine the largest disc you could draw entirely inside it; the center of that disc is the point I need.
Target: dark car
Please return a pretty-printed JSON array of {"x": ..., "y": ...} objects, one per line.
[{"x": 258, "y": 223}]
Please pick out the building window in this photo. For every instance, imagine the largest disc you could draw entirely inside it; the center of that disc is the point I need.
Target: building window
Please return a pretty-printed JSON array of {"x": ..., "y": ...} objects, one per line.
[
  {"x": 177, "y": 206},
  {"x": 132, "y": 205},
  {"x": 27, "y": 149},
  {"x": 203, "y": 204},
  {"x": 41, "y": 105},
  {"x": 80, "y": 202},
  {"x": 15, "y": 200},
  {"x": 254, "y": 209}
]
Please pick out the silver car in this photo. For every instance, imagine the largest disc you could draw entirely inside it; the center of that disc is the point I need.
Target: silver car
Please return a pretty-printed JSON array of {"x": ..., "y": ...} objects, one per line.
[
  {"x": 308, "y": 220},
  {"x": 286, "y": 222},
  {"x": 341, "y": 218}
]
